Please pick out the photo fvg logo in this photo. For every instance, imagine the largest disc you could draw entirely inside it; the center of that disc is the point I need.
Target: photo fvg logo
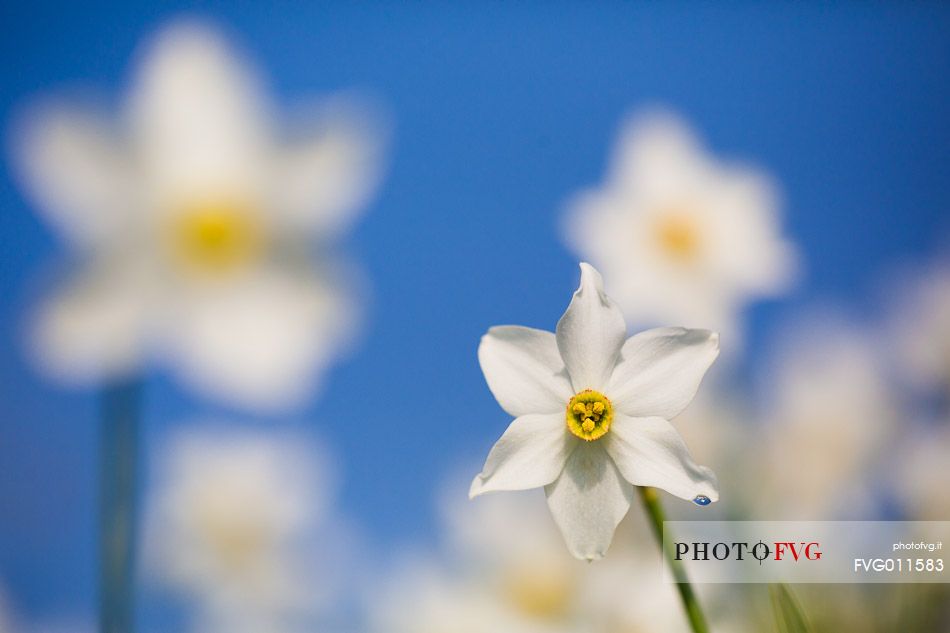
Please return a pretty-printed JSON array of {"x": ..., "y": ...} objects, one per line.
[{"x": 795, "y": 551}]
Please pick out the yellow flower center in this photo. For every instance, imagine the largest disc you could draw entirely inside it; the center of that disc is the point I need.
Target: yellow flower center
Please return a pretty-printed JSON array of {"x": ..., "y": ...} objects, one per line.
[
  {"x": 236, "y": 544},
  {"x": 216, "y": 237},
  {"x": 678, "y": 236},
  {"x": 540, "y": 593},
  {"x": 589, "y": 414}
]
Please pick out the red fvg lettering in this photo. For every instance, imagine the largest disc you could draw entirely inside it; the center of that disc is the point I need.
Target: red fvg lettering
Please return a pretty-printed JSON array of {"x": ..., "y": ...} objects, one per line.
[{"x": 809, "y": 550}]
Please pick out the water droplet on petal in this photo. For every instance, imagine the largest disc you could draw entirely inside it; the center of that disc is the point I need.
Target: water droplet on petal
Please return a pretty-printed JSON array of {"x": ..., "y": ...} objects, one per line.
[{"x": 702, "y": 500}]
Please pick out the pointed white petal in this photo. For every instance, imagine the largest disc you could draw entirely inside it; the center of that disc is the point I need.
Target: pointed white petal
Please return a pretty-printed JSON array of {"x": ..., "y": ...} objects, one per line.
[
  {"x": 96, "y": 327},
  {"x": 199, "y": 120},
  {"x": 590, "y": 333},
  {"x": 588, "y": 501},
  {"x": 657, "y": 153},
  {"x": 524, "y": 370},
  {"x": 530, "y": 454},
  {"x": 660, "y": 370},
  {"x": 321, "y": 180},
  {"x": 79, "y": 173},
  {"x": 650, "y": 452}
]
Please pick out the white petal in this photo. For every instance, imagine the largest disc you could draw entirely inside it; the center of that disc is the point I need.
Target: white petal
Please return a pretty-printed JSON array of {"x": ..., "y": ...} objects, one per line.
[
  {"x": 77, "y": 170},
  {"x": 530, "y": 454},
  {"x": 657, "y": 153},
  {"x": 588, "y": 501},
  {"x": 660, "y": 370},
  {"x": 261, "y": 342},
  {"x": 590, "y": 333},
  {"x": 97, "y": 326},
  {"x": 524, "y": 370},
  {"x": 649, "y": 452},
  {"x": 323, "y": 179},
  {"x": 199, "y": 120}
]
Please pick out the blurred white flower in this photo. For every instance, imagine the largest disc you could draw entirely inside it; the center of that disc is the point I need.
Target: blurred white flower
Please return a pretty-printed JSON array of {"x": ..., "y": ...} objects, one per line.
[
  {"x": 679, "y": 236},
  {"x": 920, "y": 337},
  {"x": 508, "y": 545},
  {"x": 195, "y": 216},
  {"x": 592, "y": 414},
  {"x": 424, "y": 598},
  {"x": 231, "y": 524},
  {"x": 830, "y": 414},
  {"x": 923, "y": 329},
  {"x": 520, "y": 580},
  {"x": 922, "y": 470}
]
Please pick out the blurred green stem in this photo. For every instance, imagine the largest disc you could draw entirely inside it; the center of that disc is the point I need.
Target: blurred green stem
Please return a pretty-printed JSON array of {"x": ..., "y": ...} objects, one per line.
[
  {"x": 694, "y": 613},
  {"x": 118, "y": 448}
]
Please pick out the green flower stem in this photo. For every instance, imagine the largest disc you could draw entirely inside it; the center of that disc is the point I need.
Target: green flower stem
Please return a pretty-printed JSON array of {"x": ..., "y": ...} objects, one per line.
[
  {"x": 694, "y": 613},
  {"x": 118, "y": 447}
]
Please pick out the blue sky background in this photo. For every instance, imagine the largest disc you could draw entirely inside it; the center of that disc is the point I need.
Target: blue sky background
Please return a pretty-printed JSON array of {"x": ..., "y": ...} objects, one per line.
[{"x": 500, "y": 113}]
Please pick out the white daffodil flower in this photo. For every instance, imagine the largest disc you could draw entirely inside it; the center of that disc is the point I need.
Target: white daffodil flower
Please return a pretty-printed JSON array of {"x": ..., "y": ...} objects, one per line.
[
  {"x": 679, "y": 236},
  {"x": 423, "y": 597},
  {"x": 232, "y": 522},
  {"x": 194, "y": 216},
  {"x": 487, "y": 576},
  {"x": 592, "y": 414},
  {"x": 921, "y": 471},
  {"x": 527, "y": 570},
  {"x": 922, "y": 328},
  {"x": 832, "y": 420}
]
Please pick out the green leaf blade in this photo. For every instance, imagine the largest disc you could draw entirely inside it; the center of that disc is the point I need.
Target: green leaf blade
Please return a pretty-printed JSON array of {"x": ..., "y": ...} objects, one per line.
[{"x": 788, "y": 613}]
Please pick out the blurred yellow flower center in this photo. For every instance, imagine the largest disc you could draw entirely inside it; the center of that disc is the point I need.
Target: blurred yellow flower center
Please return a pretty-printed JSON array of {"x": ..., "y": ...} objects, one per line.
[
  {"x": 216, "y": 237},
  {"x": 678, "y": 236},
  {"x": 235, "y": 544},
  {"x": 539, "y": 593},
  {"x": 589, "y": 414}
]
